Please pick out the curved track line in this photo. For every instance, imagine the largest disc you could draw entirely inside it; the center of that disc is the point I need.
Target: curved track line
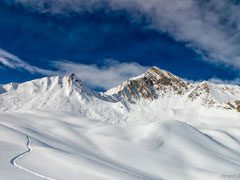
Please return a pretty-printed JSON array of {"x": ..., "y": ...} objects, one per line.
[{"x": 15, "y": 159}]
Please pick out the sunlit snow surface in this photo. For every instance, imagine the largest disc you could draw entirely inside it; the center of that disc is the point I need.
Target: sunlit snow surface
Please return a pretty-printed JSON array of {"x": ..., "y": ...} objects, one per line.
[{"x": 180, "y": 144}]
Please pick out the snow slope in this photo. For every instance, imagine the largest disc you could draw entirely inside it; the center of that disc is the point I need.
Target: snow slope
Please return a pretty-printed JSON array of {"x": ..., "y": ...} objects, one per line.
[
  {"x": 152, "y": 127},
  {"x": 66, "y": 146}
]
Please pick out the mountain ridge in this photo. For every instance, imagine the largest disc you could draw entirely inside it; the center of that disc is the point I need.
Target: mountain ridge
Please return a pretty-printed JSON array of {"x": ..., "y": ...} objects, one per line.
[
  {"x": 156, "y": 83},
  {"x": 155, "y": 86}
]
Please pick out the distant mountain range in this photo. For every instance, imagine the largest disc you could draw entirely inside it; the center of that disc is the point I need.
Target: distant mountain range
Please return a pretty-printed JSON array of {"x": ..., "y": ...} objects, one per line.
[{"x": 153, "y": 90}]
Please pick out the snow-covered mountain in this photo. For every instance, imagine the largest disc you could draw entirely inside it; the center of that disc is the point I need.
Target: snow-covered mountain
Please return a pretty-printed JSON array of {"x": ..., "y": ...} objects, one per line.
[
  {"x": 173, "y": 92},
  {"x": 155, "y": 87},
  {"x": 66, "y": 93},
  {"x": 152, "y": 127}
]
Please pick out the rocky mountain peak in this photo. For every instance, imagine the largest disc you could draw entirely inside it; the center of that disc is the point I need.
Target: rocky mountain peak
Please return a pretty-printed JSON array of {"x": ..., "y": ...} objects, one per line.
[
  {"x": 165, "y": 78},
  {"x": 160, "y": 85},
  {"x": 73, "y": 78},
  {"x": 154, "y": 83}
]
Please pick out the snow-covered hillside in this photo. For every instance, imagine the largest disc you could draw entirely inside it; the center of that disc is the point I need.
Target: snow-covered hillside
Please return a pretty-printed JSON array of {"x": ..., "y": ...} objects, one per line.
[
  {"x": 152, "y": 127},
  {"x": 63, "y": 146}
]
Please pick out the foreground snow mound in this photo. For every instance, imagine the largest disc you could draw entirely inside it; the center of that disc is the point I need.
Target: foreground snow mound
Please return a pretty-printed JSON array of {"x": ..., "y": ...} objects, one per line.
[{"x": 62, "y": 146}]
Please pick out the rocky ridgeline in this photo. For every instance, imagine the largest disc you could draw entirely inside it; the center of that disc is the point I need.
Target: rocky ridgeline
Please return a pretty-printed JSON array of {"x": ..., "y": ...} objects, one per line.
[{"x": 156, "y": 84}]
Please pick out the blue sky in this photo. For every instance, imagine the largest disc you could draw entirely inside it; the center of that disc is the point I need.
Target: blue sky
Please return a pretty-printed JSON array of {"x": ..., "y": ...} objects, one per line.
[{"x": 105, "y": 45}]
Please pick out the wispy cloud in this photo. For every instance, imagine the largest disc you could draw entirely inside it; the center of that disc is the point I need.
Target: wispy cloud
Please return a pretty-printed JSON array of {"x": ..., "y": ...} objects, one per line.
[
  {"x": 111, "y": 74},
  {"x": 211, "y": 28},
  {"x": 235, "y": 81},
  {"x": 11, "y": 61}
]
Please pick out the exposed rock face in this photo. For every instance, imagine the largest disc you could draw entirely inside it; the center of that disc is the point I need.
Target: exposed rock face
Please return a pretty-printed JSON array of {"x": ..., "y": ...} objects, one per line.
[
  {"x": 238, "y": 108},
  {"x": 70, "y": 79},
  {"x": 157, "y": 84},
  {"x": 151, "y": 85},
  {"x": 238, "y": 105}
]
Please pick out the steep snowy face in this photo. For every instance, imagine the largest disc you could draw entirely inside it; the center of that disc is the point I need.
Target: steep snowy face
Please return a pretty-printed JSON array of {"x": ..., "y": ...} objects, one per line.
[
  {"x": 173, "y": 92},
  {"x": 66, "y": 93}
]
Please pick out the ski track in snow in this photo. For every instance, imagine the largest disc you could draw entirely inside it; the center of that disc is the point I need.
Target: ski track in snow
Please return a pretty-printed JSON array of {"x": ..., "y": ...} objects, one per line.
[{"x": 15, "y": 159}]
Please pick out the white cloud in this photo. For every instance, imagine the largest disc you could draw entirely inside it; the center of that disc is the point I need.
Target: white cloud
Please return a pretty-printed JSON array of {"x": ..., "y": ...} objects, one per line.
[
  {"x": 11, "y": 61},
  {"x": 235, "y": 81},
  {"x": 210, "y": 27},
  {"x": 111, "y": 74}
]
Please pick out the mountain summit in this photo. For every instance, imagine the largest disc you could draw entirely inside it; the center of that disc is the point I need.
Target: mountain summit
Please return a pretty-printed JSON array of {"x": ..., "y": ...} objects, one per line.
[
  {"x": 160, "y": 85},
  {"x": 155, "y": 87},
  {"x": 153, "y": 84},
  {"x": 67, "y": 93}
]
